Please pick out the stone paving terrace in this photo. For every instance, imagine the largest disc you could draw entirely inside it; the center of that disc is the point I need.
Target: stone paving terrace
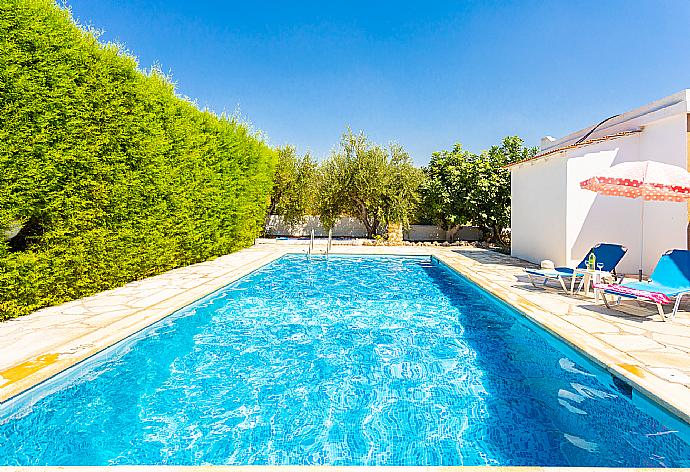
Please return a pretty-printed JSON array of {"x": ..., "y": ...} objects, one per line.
[{"x": 637, "y": 345}]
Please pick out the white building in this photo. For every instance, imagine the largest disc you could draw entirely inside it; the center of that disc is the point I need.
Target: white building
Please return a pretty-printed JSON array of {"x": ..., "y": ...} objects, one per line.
[{"x": 553, "y": 218}]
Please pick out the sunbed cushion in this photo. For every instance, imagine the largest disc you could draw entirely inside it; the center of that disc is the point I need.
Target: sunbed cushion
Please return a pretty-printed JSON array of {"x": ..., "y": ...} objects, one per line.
[
  {"x": 634, "y": 290},
  {"x": 655, "y": 287}
]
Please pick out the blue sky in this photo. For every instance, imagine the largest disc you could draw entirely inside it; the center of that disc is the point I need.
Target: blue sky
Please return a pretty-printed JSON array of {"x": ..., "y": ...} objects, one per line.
[{"x": 424, "y": 74}]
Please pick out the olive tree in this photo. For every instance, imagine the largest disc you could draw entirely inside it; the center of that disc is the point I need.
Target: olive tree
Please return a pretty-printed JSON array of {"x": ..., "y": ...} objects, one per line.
[
  {"x": 375, "y": 184},
  {"x": 295, "y": 186}
]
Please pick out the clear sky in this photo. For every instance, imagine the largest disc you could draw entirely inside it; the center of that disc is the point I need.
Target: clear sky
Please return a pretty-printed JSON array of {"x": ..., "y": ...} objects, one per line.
[{"x": 426, "y": 74}]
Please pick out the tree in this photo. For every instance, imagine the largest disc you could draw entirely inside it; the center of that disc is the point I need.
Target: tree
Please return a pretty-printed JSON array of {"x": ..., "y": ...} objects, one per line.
[
  {"x": 445, "y": 195},
  {"x": 465, "y": 188},
  {"x": 376, "y": 185},
  {"x": 295, "y": 186}
]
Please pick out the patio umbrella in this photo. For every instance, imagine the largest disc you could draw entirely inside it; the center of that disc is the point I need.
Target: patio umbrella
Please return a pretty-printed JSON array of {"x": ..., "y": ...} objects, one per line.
[{"x": 646, "y": 180}]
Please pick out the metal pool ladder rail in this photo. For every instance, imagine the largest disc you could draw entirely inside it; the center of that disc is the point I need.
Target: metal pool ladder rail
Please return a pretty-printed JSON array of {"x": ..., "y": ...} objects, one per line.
[{"x": 311, "y": 243}]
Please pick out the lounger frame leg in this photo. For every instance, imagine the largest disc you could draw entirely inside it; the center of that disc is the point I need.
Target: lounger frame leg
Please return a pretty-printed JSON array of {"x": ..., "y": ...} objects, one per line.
[
  {"x": 606, "y": 302},
  {"x": 560, "y": 279},
  {"x": 676, "y": 305},
  {"x": 660, "y": 309},
  {"x": 581, "y": 284},
  {"x": 616, "y": 300}
]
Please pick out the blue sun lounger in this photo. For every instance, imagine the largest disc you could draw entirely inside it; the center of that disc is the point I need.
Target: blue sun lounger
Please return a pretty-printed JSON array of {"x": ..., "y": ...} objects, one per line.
[
  {"x": 671, "y": 278},
  {"x": 605, "y": 253}
]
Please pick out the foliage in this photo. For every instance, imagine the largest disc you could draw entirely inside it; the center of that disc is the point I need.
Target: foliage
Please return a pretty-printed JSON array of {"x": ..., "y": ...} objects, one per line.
[
  {"x": 465, "y": 188},
  {"x": 112, "y": 175},
  {"x": 375, "y": 184},
  {"x": 295, "y": 186}
]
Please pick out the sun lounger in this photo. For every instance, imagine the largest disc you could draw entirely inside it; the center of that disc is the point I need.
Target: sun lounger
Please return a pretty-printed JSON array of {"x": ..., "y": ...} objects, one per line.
[
  {"x": 605, "y": 253},
  {"x": 670, "y": 280}
]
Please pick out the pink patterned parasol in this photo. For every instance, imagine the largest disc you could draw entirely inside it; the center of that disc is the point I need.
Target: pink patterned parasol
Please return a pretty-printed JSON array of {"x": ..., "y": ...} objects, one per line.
[{"x": 647, "y": 180}]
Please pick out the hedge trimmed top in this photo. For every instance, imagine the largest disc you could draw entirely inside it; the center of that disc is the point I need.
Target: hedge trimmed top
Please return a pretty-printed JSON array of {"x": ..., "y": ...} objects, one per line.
[{"x": 112, "y": 176}]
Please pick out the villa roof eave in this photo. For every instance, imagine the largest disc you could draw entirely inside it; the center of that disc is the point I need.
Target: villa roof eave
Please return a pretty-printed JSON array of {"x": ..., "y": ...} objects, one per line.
[{"x": 620, "y": 134}]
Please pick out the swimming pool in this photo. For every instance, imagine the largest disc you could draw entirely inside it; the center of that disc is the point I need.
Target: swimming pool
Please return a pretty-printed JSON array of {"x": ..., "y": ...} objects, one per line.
[{"x": 370, "y": 360}]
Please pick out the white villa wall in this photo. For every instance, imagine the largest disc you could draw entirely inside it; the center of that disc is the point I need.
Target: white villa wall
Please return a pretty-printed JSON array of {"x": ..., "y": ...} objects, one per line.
[
  {"x": 538, "y": 211},
  {"x": 589, "y": 218},
  {"x": 596, "y": 218},
  {"x": 666, "y": 223}
]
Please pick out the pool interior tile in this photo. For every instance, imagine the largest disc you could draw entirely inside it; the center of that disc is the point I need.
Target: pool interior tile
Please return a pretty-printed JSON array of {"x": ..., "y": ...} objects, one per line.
[{"x": 635, "y": 345}]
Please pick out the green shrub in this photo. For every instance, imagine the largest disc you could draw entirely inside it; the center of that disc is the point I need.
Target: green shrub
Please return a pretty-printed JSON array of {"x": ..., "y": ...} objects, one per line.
[{"x": 112, "y": 175}]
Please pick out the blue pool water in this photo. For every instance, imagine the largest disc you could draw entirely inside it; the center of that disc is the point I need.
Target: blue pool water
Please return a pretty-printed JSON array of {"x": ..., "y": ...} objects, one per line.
[{"x": 350, "y": 361}]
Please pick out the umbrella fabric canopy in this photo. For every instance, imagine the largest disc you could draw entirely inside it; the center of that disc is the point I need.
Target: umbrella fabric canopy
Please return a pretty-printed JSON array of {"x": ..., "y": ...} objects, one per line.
[{"x": 647, "y": 180}]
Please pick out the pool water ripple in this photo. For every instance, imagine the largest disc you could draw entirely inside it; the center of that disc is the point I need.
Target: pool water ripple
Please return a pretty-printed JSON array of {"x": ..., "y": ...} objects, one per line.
[{"x": 343, "y": 361}]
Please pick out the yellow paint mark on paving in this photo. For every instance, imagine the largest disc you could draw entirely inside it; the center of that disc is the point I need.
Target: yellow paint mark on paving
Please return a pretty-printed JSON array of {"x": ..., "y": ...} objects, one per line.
[
  {"x": 633, "y": 369},
  {"x": 23, "y": 370}
]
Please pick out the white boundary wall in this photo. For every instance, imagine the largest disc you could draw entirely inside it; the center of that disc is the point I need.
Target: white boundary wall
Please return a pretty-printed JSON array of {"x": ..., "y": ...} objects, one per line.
[
  {"x": 348, "y": 227},
  {"x": 345, "y": 227}
]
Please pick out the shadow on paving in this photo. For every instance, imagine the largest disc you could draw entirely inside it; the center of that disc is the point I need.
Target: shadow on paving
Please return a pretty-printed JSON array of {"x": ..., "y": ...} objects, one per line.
[{"x": 631, "y": 310}]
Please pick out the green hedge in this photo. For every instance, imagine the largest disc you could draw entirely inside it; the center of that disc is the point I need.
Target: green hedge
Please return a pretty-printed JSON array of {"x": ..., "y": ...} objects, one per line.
[{"x": 113, "y": 176}]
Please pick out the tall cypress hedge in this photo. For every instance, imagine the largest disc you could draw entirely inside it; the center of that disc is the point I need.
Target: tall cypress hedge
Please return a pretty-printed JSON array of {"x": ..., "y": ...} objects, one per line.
[{"x": 111, "y": 175}]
